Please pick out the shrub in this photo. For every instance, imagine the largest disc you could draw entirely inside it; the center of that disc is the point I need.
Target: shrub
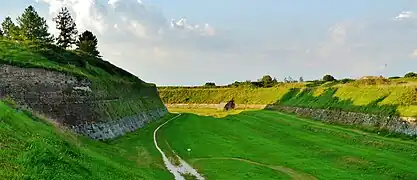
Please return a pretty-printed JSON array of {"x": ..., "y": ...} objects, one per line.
[
  {"x": 328, "y": 77},
  {"x": 210, "y": 84},
  {"x": 346, "y": 80},
  {"x": 410, "y": 74},
  {"x": 394, "y": 77}
]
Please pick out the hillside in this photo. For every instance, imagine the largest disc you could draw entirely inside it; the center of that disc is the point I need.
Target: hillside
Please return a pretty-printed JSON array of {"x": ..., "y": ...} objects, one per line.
[
  {"x": 32, "y": 148},
  {"x": 384, "y": 96},
  {"x": 76, "y": 89}
]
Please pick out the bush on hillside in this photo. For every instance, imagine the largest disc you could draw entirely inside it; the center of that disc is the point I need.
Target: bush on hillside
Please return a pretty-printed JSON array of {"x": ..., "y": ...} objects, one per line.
[
  {"x": 346, "y": 80},
  {"x": 394, "y": 77},
  {"x": 266, "y": 81},
  {"x": 328, "y": 78},
  {"x": 410, "y": 74},
  {"x": 210, "y": 84}
]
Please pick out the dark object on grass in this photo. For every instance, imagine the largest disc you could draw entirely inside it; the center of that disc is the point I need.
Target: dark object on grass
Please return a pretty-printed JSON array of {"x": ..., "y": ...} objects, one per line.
[{"x": 229, "y": 105}]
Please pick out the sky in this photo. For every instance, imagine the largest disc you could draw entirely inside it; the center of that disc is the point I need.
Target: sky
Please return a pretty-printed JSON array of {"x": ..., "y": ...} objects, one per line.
[{"x": 188, "y": 42}]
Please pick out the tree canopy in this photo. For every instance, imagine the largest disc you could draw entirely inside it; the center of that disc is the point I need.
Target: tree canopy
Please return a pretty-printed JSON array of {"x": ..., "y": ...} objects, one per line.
[
  {"x": 87, "y": 42},
  {"x": 67, "y": 27},
  {"x": 328, "y": 77},
  {"x": 210, "y": 84},
  {"x": 32, "y": 26},
  {"x": 10, "y": 30},
  {"x": 410, "y": 74}
]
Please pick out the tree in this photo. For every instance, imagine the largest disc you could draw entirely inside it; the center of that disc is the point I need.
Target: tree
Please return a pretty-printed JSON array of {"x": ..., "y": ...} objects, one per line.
[
  {"x": 210, "y": 84},
  {"x": 1, "y": 33},
  {"x": 275, "y": 81},
  {"x": 266, "y": 81},
  {"x": 87, "y": 42},
  {"x": 410, "y": 74},
  {"x": 10, "y": 30},
  {"x": 328, "y": 77},
  {"x": 67, "y": 27},
  {"x": 32, "y": 26},
  {"x": 301, "y": 79}
]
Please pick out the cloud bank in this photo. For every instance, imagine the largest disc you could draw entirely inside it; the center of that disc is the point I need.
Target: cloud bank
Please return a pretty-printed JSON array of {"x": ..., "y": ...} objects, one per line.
[{"x": 165, "y": 50}]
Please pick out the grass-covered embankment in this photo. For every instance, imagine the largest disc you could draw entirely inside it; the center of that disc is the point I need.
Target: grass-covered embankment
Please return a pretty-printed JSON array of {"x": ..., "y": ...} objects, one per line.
[
  {"x": 270, "y": 145},
  {"x": 108, "y": 81},
  {"x": 390, "y": 97},
  {"x": 30, "y": 148}
]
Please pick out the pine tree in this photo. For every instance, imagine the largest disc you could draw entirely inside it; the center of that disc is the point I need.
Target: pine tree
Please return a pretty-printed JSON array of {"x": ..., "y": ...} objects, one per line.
[
  {"x": 87, "y": 42},
  {"x": 32, "y": 26},
  {"x": 10, "y": 30},
  {"x": 67, "y": 27}
]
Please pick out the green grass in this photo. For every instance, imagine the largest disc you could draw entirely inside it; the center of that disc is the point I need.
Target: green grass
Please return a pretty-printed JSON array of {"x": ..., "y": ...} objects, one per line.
[
  {"x": 388, "y": 97},
  {"x": 239, "y": 170},
  {"x": 256, "y": 144},
  {"x": 31, "y": 148},
  {"x": 206, "y": 112},
  {"x": 268, "y": 140},
  {"x": 37, "y": 55},
  {"x": 218, "y": 95}
]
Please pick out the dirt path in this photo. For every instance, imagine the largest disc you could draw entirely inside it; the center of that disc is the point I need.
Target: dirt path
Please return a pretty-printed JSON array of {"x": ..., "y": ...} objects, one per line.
[
  {"x": 290, "y": 172},
  {"x": 183, "y": 167}
]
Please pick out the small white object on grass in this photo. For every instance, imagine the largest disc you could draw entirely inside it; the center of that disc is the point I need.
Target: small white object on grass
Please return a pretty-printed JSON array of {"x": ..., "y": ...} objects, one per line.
[{"x": 189, "y": 151}]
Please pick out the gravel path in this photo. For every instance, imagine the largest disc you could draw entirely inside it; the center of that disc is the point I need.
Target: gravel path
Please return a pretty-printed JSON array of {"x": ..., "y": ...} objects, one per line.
[{"x": 183, "y": 168}]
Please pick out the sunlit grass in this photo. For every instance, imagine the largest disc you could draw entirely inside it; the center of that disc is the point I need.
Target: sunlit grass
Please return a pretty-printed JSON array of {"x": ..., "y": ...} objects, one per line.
[
  {"x": 269, "y": 145},
  {"x": 31, "y": 148}
]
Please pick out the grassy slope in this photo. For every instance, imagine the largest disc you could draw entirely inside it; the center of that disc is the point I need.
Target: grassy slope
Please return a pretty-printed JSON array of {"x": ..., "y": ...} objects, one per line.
[
  {"x": 397, "y": 97},
  {"x": 274, "y": 139},
  {"x": 33, "y": 149},
  {"x": 107, "y": 80}
]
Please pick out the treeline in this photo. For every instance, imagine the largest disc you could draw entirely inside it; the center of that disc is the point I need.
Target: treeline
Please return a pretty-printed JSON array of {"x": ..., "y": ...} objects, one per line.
[
  {"x": 31, "y": 27},
  {"x": 267, "y": 81}
]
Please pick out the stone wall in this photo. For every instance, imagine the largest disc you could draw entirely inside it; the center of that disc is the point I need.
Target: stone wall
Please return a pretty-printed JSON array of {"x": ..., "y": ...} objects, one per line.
[
  {"x": 51, "y": 93},
  {"x": 73, "y": 102},
  {"x": 113, "y": 129},
  {"x": 403, "y": 125}
]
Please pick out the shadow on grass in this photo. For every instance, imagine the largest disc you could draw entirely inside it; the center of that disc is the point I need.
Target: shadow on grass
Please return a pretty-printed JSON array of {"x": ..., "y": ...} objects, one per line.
[{"x": 305, "y": 99}]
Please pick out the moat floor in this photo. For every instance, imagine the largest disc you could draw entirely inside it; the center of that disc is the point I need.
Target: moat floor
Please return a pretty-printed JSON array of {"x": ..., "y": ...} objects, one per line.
[
  {"x": 264, "y": 144},
  {"x": 254, "y": 144}
]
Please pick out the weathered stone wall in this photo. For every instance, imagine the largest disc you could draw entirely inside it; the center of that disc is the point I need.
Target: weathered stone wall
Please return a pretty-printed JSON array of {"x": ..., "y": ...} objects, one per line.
[
  {"x": 113, "y": 129},
  {"x": 51, "y": 93},
  {"x": 404, "y": 125},
  {"x": 72, "y": 102}
]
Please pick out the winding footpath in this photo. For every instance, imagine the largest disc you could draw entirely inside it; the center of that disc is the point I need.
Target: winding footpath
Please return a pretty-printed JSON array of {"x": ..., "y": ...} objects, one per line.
[{"x": 183, "y": 168}]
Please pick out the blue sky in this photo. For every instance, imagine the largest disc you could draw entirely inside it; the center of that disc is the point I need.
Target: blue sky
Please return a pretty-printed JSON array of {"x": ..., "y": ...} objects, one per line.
[{"x": 225, "y": 41}]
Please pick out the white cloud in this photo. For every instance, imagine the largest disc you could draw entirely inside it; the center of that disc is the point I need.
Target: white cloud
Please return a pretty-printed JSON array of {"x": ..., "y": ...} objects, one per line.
[
  {"x": 145, "y": 31},
  {"x": 167, "y": 50},
  {"x": 128, "y": 16},
  {"x": 404, "y": 15}
]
